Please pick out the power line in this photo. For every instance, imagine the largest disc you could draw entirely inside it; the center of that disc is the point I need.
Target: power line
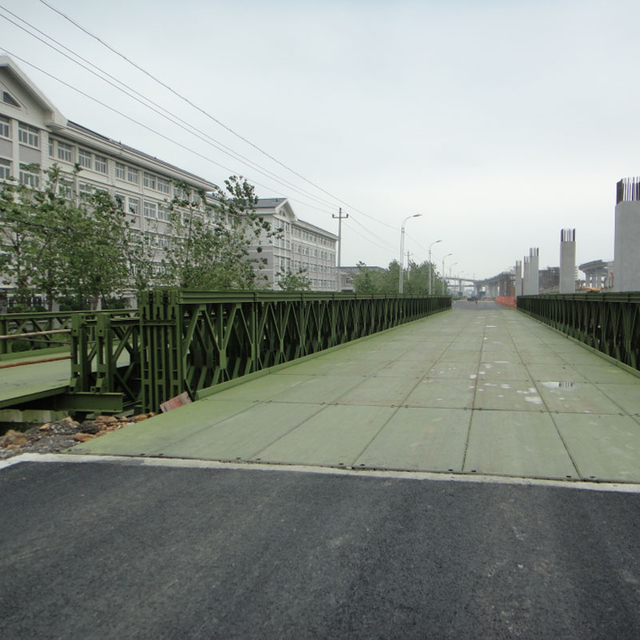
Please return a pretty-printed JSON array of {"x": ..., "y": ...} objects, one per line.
[
  {"x": 171, "y": 117},
  {"x": 365, "y": 238},
  {"x": 205, "y": 113},
  {"x": 388, "y": 245},
  {"x": 120, "y": 113}
]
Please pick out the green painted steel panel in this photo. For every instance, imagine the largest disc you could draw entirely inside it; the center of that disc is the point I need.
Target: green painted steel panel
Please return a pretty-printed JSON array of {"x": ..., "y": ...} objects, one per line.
[
  {"x": 507, "y": 395},
  {"x": 149, "y": 437},
  {"x": 242, "y": 436},
  {"x": 562, "y": 372},
  {"x": 603, "y": 447},
  {"x": 420, "y": 440},
  {"x": 318, "y": 389},
  {"x": 448, "y": 369},
  {"x": 441, "y": 393},
  {"x": 380, "y": 391},
  {"x": 517, "y": 443},
  {"x": 263, "y": 388},
  {"x": 626, "y": 396},
  {"x": 576, "y": 398},
  {"x": 501, "y": 370},
  {"x": 606, "y": 373},
  {"x": 17, "y": 384},
  {"x": 335, "y": 436}
]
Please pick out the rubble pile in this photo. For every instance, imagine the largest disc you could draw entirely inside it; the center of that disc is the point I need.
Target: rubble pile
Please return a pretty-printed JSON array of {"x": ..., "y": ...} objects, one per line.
[{"x": 54, "y": 437}]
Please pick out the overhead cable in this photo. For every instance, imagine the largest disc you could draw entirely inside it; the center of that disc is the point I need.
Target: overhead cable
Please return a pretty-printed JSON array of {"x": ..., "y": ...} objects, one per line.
[{"x": 205, "y": 113}]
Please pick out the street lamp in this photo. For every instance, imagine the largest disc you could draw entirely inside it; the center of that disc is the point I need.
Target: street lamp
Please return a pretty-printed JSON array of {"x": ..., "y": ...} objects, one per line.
[
  {"x": 400, "y": 282},
  {"x": 431, "y": 266},
  {"x": 444, "y": 273}
]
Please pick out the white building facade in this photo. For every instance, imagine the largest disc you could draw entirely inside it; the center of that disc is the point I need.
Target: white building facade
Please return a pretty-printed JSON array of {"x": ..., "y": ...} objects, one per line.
[
  {"x": 299, "y": 247},
  {"x": 34, "y": 132}
]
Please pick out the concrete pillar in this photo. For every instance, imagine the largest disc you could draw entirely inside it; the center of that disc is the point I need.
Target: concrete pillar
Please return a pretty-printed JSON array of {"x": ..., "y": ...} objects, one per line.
[
  {"x": 568, "y": 261},
  {"x": 518, "y": 281},
  {"x": 534, "y": 268},
  {"x": 526, "y": 277},
  {"x": 626, "y": 268}
]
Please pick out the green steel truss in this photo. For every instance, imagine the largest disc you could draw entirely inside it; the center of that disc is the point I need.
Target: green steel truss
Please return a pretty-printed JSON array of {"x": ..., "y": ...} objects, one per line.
[
  {"x": 181, "y": 340},
  {"x": 189, "y": 340},
  {"x": 607, "y": 322},
  {"x": 47, "y": 324},
  {"x": 106, "y": 356},
  {"x": 195, "y": 339}
]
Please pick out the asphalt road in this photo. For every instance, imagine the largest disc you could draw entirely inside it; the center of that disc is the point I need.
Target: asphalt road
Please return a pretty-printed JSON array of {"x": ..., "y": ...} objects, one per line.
[{"x": 110, "y": 550}]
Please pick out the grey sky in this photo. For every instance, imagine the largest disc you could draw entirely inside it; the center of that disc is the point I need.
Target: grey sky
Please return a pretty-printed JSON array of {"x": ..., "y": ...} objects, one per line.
[{"x": 501, "y": 122}]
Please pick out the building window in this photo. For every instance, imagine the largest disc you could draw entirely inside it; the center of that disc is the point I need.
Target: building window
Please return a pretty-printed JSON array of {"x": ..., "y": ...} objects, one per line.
[
  {"x": 163, "y": 212},
  {"x": 84, "y": 158},
  {"x": 132, "y": 175},
  {"x": 164, "y": 185},
  {"x": 149, "y": 180},
  {"x": 120, "y": 170},
  {"x": 149, "y": 209},
  {"x": 64, "y": 152},
  {"x": 7, "y": 98},
  {"x": 65, "y": 188},
  {"x": 29, "y": 178},
  {"x": 5, "y": 127},
  {"x": 28, "y": 135},
  {"x": 134, "y": 206},
  {"x": 101, "y": 164},
  {"x": 5, "y": 169},
  {"x": 51, "y": 147}
]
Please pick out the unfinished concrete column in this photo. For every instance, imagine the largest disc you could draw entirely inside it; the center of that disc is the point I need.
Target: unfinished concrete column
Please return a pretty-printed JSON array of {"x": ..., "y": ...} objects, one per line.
[
  {"x": 518, "y": 281},
  {"x": 626, "y": 269},
  {"x": 534, "y": 268},
  {"x": 526, "y": 277},
  {"x": 567, "y": 261}
]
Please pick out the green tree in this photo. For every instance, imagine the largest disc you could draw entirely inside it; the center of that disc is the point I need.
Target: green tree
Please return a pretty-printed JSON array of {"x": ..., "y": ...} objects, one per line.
[
  {"x": 212, "y": 235},
  {"x": 59, "y": 245},
  {"x": 386, "y": 281},
  {"x": 290, "y": 281}
]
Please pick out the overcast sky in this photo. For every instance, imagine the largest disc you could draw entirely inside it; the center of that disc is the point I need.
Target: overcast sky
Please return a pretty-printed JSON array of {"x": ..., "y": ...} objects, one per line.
[{"x": 501, "y": 122}]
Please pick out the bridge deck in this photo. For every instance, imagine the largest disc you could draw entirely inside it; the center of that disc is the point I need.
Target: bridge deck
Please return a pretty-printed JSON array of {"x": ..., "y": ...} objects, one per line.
[
  {"x": 21, "y": 381},
  {"x": 475, "y": 390}
]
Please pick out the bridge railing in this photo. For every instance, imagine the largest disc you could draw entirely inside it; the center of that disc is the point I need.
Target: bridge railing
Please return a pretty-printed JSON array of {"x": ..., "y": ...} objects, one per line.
[
  {"x": 193, "y": 340},
  {"x": 105, "y": 360},
  {"x": 607, "y": 322},
  {"x": 32, "y": 331},
  {"x": 190, "y": 340}
]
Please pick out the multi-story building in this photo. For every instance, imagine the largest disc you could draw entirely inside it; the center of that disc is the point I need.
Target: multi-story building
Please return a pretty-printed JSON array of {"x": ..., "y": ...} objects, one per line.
[
  {"x": 299, "y": 247},
  {"x": 34, "y": 132}
]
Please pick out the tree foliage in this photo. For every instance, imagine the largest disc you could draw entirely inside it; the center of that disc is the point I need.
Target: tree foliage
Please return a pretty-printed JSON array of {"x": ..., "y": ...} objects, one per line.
[
  {"x": 290, "y": 281},
  {"x": 55, "y": 246},
  {"x": 211, "y": 239},
  {"x": 386, "y": 281}
]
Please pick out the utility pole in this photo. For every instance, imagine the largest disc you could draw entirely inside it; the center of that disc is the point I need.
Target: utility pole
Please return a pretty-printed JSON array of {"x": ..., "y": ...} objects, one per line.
[
  {"x": 408, "y": 265},
  {"x": 339, "y": 218}
]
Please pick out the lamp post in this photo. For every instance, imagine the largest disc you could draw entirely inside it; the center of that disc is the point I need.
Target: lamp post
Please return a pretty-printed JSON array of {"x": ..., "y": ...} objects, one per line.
[
  {"x": 444, "y": 273},
  {"x": 431, "y": 266},
  {"x": 400, "y": 282}
]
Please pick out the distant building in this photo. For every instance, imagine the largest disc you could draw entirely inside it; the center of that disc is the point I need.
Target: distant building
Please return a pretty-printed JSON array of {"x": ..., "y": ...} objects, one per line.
[
  {"x": 301, "y": 248},
  {"x": 549, "y": 280},
  {"x": 348, "y": 275},
  {"x": 597, "y": 273}
]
